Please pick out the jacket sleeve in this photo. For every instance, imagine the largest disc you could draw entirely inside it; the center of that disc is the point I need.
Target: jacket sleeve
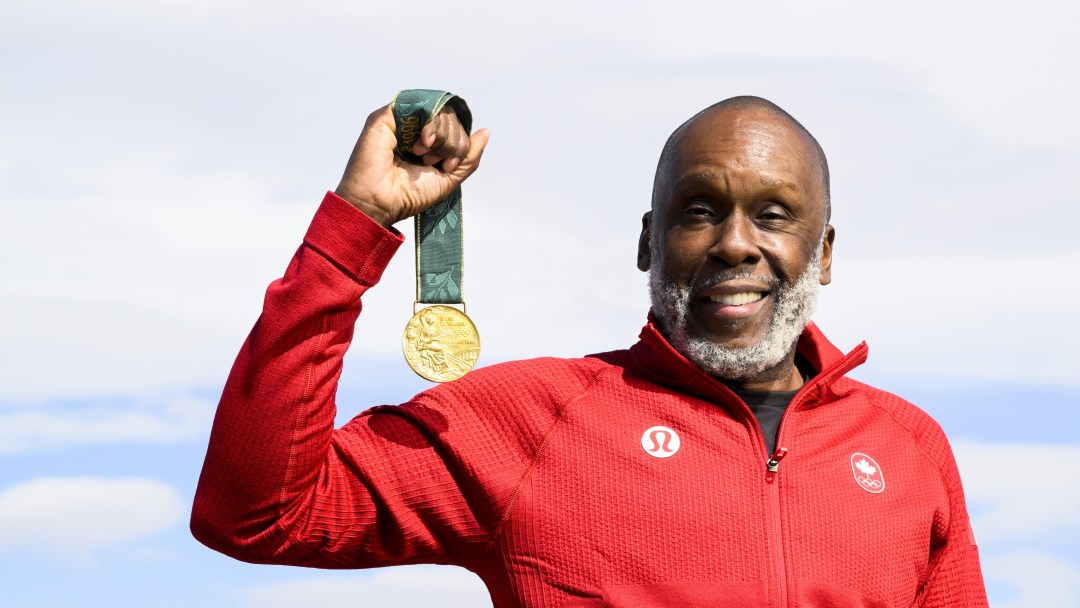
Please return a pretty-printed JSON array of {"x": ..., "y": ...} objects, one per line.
[
  {"x": 279, "y": 484},
  {"x": 955, "y": 579}
]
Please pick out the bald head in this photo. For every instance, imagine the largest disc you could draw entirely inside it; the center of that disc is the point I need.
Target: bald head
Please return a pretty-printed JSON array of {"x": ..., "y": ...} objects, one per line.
[{"x": 750, "y": 108}]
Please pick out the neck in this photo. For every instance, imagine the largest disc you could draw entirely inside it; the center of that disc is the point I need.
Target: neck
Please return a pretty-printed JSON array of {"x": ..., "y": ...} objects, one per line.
[{"x": 784, "y": 377}]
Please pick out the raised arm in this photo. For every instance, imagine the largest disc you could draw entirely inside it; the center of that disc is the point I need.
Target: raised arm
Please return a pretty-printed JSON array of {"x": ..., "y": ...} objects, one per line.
[{"x": 278, "y": 484}]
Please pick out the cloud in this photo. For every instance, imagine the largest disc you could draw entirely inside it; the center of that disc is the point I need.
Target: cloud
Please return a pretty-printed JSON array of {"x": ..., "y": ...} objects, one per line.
[
  {"x": 73, "y": 516},
  {"x": 38, "y": 427},
  {"x": 1036, "y": 579},
  {"x": 1020, "y": 492},
  {"x": 944, "y": 315},
  {"x": 133, "y": 296},
  {"x": 403, "y": 587},
  {"x": 148, "y": 212},
  {"x": 961, "y": 55}
]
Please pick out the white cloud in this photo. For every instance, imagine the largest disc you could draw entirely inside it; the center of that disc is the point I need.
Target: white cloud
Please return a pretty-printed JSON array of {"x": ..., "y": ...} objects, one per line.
[
  {"x": 134, "y": 295},
  {"x": 73, "y": 516},
  {"x": 1020, "y": 492},
  {"x": 38, "y": 427},
  {"x": 924, "y": 318},
  {"x": 987, "y": 64},
  {"x": 1038, "y": 579},
  {"x": 145, "y": 215},
  {"x": 402, "y": 587}
]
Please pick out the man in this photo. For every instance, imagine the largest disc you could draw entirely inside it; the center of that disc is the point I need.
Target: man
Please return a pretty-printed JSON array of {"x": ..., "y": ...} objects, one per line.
[{"x": 723, "y": 460}]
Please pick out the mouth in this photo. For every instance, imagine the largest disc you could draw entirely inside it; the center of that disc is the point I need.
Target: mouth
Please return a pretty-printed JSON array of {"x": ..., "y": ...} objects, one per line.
[
  {"x": 736, "y": 299},
  {"x": 732, "y": 302}
]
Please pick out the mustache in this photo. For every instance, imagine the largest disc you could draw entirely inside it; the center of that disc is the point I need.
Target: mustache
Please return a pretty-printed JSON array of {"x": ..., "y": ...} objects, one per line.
[{"x": 721, "y": 276}]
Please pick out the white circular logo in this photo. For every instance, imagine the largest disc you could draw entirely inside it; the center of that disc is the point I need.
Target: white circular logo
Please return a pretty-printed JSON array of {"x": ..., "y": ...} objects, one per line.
[{"x": 660, "y": 441}]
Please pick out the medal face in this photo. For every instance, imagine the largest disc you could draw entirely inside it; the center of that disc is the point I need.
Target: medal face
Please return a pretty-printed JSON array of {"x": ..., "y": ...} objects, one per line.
[{"x": 441, "y": 343}]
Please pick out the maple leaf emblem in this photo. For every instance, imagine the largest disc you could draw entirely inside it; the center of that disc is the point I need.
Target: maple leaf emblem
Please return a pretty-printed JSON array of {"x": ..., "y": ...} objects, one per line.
[{"x": 866, "y": 467}]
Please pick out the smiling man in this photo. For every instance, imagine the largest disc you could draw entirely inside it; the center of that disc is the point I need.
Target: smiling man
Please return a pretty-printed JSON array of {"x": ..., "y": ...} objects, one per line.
[
  {"x": 725, "y": 459},
  {"x": 740, "y": 239},
  {"x": 739, "y": 232}
]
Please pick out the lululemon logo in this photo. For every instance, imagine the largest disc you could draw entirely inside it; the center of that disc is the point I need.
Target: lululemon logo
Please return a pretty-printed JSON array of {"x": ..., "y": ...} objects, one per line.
[
  {"x": 660, "y": 441},
  {"x": 867, "y": 473}
]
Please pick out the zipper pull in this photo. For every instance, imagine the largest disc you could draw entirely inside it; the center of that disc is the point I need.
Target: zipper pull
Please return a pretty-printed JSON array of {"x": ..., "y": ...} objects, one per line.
[{"x": 777, "y": 456}]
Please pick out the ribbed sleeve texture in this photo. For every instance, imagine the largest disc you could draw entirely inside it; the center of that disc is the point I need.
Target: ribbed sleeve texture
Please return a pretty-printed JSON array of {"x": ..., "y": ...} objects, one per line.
[{"x": 535, "y": 474}]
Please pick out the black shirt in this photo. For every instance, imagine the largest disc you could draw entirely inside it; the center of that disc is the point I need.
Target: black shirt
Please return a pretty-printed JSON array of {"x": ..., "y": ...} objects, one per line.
[{"x": 768, "y": 408}]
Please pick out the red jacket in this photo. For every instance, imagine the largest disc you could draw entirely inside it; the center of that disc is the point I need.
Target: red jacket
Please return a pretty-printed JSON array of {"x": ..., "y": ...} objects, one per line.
[{"x": 548, "y": 477}]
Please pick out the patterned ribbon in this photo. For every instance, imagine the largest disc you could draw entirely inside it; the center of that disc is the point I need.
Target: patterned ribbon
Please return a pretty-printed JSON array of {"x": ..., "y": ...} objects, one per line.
[{"x": 439, "y": 250}]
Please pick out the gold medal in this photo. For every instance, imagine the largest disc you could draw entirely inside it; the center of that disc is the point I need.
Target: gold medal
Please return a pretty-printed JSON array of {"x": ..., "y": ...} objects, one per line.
[{"x": 441, "y": 343}]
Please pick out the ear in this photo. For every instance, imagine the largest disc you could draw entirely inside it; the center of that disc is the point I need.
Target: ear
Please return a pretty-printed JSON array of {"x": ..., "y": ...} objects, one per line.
[
  {"x": 644, "y": 257},
  {"x": 826, "y": 255}
]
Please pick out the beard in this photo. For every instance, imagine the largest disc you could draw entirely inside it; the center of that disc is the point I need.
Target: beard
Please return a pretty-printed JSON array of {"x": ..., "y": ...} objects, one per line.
[{"x": 795, "y": 303}]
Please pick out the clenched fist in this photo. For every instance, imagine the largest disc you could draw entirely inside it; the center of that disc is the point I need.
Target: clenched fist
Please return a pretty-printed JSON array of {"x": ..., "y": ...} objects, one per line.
[{"x": 389, "y": 189}]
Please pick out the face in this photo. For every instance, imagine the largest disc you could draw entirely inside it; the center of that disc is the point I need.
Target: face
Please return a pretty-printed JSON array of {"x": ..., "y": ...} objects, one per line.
[{"x": 737, "y": 242}]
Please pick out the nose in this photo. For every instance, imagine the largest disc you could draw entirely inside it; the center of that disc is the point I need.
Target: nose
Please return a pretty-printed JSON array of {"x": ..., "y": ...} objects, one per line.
[{"x": 734, "y": 243}]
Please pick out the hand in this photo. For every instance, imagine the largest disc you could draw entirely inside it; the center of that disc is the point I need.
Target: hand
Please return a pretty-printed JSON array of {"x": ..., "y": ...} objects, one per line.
[{"x": 389, "y": 189}]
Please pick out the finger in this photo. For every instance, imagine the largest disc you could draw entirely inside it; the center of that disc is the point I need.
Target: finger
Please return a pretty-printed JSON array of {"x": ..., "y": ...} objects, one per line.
[
  {"x": 453, "y": 150},
  {"x": 455, "y": 146},
  {"x": 477, "y": 143},
  {"x": 434, "y": 134},
  {"x": 450, "y": 164},
  {"x": 437, "y": 185},
  {"x": 459, "y": 150}
]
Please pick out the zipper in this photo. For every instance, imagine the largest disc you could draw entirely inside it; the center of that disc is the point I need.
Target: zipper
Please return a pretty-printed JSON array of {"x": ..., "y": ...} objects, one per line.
[
  {"x": 772, "y": 484},
  {"x": 773, "y": 490},
  {"x": 774, "y": 462}
]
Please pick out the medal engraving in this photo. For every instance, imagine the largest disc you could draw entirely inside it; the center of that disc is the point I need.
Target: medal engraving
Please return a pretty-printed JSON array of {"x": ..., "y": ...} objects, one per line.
[{"x": 441, "y": 343}]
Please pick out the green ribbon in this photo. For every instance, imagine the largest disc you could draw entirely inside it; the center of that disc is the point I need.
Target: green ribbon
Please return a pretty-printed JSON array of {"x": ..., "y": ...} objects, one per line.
[{"x": 439, "y": 249}]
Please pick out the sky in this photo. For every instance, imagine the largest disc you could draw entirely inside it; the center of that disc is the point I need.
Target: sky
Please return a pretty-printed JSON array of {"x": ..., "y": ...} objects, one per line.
[{"x": 160, "y": 161}]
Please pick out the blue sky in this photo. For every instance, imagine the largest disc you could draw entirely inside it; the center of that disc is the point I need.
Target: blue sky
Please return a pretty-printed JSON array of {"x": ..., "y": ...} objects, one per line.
[{"x": 159, "y": 163}]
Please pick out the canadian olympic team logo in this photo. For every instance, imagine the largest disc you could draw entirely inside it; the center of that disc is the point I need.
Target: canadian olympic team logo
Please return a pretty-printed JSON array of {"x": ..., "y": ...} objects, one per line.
[
  {"x": 660, "y": 441},
  {"x": 867, "y": 473}
]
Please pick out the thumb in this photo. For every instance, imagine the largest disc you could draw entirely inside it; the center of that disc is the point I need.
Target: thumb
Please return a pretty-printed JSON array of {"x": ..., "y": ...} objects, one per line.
[{"x": 477, "y": 142}]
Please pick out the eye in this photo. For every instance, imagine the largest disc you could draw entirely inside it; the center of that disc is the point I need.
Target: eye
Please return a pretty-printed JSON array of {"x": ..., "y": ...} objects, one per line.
[
  {"x": 773, "y": 213},
  {"x": 698, "y": 210}
]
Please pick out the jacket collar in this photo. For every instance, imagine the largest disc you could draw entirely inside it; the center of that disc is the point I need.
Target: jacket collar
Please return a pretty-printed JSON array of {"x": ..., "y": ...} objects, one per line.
[{"x": 657, "y": 361}]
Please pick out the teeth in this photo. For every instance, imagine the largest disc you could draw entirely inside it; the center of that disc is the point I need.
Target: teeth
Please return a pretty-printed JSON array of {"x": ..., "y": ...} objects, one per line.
[{"x": 738, "y": 299}]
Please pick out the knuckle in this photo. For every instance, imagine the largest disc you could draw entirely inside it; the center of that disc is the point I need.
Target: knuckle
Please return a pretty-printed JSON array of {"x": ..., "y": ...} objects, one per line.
[{"x": 376, "y": 115}]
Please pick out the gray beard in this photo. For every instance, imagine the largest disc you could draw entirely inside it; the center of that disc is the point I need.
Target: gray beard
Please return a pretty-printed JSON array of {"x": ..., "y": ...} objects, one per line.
[{"x": 795, "y": 303}]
